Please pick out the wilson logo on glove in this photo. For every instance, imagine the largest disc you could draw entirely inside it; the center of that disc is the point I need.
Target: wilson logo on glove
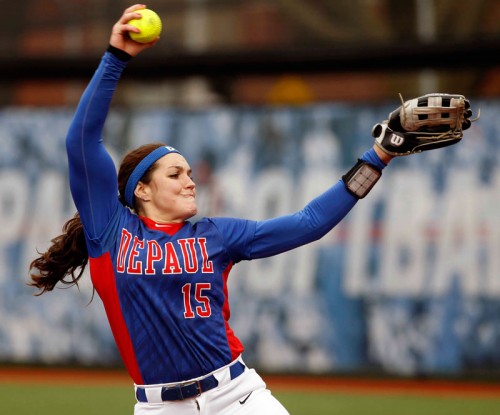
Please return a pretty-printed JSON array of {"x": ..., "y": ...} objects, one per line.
[{"x": 397, "y": 140}]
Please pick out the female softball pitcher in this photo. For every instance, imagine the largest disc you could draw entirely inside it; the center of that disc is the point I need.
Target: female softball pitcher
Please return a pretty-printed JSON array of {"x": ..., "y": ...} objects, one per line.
[{"x": 162, "y": 279}]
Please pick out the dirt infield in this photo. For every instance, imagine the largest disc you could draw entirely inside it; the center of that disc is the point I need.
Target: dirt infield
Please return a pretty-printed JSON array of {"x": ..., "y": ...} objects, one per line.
[
  {"x": 385, "y": 386},
  {"x": 58, "y": 376}
]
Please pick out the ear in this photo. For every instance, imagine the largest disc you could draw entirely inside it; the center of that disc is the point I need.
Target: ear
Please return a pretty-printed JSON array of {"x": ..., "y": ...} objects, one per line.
[{"x": 142, "y": 191}]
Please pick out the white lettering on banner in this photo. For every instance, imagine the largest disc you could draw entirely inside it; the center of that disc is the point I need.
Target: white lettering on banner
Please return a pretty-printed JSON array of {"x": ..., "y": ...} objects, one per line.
[
  {"x": 45, "y": 214},
  {"x": 271, "y": 197},
  {"x": 404, "y": 235},
  {"x": 428, "y": 238},
  {"x": 14, "y": 190},
  {"x": 492, "y": 242},
  {"x": 457, "y": 247},
  {"x": 470, "y": 234},
  {"x": 235, "y": 182},
  {"x": 311, "y": 184},
  {"x": 362, "y": 237},
  {"x": 13, "y": 201}
]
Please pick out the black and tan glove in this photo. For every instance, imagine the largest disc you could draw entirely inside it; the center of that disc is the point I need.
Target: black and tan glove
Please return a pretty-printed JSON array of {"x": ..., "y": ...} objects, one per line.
[{"x": 424, "y": 123}]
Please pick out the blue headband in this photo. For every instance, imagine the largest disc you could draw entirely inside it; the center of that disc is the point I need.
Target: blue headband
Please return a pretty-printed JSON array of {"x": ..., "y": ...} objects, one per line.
[{"x": 141, "y": 168}]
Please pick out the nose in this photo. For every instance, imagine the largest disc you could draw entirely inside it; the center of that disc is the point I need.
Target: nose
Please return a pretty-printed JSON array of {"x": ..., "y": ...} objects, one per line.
[{"x": 190, "y": 183}]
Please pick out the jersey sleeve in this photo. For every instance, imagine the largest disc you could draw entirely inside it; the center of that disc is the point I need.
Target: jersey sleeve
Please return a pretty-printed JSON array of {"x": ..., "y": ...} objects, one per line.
[
  {"x": 92, "y": 173},
  {"x": 260, "y": 239},
  {"x": 315, "y": 220}
]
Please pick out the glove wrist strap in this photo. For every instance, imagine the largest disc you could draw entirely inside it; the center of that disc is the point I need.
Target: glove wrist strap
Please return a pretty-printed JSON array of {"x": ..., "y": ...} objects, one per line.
[{"x": 361, "y": 178}]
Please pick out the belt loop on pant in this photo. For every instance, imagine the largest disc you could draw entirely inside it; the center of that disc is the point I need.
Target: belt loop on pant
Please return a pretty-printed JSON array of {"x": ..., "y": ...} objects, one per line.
[{"x": 189, "y": 389}]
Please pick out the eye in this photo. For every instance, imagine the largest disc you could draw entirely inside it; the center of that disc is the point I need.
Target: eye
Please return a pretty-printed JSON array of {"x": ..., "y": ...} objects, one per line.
[{"x": 174, "y": 176}]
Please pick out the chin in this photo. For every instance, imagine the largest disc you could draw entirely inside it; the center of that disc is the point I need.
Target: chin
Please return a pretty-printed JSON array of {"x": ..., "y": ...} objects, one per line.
[{"x": 192, "y": 212}]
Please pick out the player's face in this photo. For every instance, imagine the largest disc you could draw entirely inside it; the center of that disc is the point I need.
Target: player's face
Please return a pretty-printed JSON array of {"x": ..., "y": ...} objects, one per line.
[{"x": 171, "y": 193}]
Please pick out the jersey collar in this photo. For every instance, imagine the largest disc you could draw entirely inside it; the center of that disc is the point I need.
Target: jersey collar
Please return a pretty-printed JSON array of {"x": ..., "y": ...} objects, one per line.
[{"x": 168, "y": 228}]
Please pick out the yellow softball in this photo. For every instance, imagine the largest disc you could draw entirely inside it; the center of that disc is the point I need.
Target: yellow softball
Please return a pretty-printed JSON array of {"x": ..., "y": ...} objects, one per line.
[{"x": 149, "y": 24}]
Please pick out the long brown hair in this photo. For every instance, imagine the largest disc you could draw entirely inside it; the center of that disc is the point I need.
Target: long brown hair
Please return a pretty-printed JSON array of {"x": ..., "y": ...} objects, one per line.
[{"x": 68, "y": 254}]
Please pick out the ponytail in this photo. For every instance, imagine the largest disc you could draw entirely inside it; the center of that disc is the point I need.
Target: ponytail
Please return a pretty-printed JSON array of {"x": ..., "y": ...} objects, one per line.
[{"x": 67, "y": 256}]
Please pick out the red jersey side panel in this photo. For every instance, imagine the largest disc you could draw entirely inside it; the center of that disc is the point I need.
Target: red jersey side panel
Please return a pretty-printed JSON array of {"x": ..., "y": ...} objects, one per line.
[{"x": 102, "y": 275}]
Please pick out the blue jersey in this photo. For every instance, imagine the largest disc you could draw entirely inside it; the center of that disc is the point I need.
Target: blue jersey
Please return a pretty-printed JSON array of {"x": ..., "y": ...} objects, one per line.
[{"x": 164, "y": 287}]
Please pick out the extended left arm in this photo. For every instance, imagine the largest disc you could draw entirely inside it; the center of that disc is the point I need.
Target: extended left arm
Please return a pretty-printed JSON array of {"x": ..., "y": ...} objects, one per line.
[
  {"x": 318, "y": 217},
  {"x": 425, "y": 123}
]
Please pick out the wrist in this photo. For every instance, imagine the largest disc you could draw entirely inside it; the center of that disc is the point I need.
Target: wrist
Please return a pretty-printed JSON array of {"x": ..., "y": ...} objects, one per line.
[
  {"x": 383, "y": 156},
  {"x": 119, "y": 53}
]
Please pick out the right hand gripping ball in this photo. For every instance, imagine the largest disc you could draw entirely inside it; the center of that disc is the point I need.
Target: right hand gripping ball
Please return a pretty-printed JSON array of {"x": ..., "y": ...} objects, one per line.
[{"x": 150, "y": 26}]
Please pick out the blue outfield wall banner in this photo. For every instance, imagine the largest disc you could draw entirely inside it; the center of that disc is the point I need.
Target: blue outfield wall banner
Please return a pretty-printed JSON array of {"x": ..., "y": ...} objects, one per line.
[{"x": 408, "y": 283}]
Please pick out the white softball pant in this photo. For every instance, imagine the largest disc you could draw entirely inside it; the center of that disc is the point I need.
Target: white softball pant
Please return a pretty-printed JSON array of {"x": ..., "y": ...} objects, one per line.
[{"x": 245, "y": 395}]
